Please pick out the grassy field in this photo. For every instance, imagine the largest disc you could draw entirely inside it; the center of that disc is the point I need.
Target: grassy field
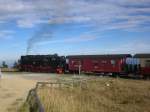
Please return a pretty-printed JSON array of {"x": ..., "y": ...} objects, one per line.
[
  {"x": 98, "y": 95},
  {"x": 9, "y": 70}
]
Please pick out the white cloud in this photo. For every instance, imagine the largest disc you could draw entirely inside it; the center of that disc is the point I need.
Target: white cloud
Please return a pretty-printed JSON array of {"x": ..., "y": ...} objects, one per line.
[
  {"x": 137, "y": 46},
  {"x": 6, "y": 34},
  {"x": 132, "y": 47},
  {"x": 81, "y": 38},
  {"x": 30, "y": 23},
  {"x": 96, "y": 12}
]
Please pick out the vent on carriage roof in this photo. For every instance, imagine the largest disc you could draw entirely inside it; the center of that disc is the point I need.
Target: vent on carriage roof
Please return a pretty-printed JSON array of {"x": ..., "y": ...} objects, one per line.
[
  {"x": 142, "y": 55},
  {"x": 101, "y": 56}
]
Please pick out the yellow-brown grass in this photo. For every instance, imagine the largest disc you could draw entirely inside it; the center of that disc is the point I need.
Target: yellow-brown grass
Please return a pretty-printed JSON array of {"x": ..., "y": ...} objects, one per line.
[
  {"x": 100, "y": 95},
  {"x": 9, "y": 70}
]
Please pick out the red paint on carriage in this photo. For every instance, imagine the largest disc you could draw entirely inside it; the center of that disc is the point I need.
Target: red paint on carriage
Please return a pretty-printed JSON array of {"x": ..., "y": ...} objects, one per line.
[
  {"x": 145, "y": 70},
  {"x": 98, "y": 63}
]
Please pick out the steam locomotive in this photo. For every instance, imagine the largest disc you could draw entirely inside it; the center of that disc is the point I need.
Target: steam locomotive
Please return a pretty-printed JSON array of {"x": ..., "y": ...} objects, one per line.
[
  {"x": 42, "y": 63},
  {"x": 116, "y": 64}
]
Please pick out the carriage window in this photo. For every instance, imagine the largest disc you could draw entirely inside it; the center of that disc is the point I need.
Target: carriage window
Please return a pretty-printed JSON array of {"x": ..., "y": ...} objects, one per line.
[
  {"x": 147, "y": 63},
  {"x": 113, "y": 62},
  {"x": 104, "y": 62},
  {"x": 76, "y": 63}
]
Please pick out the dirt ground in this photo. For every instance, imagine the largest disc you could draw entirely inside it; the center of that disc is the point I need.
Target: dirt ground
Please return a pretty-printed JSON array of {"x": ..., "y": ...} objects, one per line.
[{"x": 14, "y": 88}]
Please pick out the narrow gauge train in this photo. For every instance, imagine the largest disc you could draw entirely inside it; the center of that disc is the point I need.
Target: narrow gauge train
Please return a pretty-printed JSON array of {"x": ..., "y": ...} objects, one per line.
[{"x": 116, "y": 64}]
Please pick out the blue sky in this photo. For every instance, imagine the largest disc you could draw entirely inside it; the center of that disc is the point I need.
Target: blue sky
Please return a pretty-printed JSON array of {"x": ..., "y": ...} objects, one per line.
[{"x": 73, "y": 27}]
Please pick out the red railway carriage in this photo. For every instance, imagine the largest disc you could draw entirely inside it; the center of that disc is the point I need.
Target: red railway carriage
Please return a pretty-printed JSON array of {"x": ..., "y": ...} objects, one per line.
[
  {"x": 97, "y": 63},
  {"x": 144, "y": 64}
]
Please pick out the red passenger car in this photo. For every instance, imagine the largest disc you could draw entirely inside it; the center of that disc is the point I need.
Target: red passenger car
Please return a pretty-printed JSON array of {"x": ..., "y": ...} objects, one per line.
[{"x": 97, "y": 63}]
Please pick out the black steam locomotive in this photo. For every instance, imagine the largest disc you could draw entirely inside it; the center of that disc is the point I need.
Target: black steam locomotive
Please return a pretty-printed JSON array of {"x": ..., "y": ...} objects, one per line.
[{"x": 42, "y": 63}]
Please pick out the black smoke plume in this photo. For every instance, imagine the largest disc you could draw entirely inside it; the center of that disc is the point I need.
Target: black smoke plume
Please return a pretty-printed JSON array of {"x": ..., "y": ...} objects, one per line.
[{"x": 45, "y": 32}]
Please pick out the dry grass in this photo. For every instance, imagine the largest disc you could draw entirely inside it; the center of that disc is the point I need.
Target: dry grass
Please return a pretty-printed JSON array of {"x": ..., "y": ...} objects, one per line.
[
  {"x": 100, "y": 95},
  {"x": 9, "y": 70}
]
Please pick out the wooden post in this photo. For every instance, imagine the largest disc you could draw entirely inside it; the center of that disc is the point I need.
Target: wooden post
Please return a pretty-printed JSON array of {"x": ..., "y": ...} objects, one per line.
[
  {"x": 79, "y": 69},
  {"x": 0, "y": 74}
]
